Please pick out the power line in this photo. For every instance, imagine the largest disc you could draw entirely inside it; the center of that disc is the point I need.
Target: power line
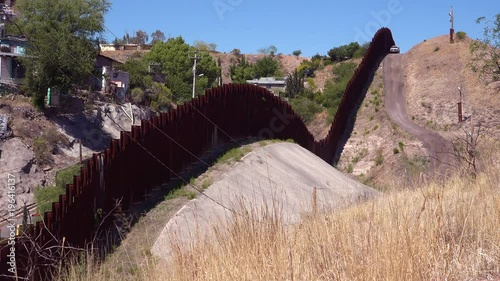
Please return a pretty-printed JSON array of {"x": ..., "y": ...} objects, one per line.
[
  {"x": 146, "y": 150},
  {"x": 29, "y": 39},
  {"x": 150, "y": 153}
]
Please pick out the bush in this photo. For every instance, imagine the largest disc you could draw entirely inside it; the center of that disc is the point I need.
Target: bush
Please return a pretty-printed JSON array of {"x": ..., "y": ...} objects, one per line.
[
  {"x": 138, "y": 72},
  {"x": 401, "y": 145},
  {"x": 137, "y": 95},
  {"x": 461, "y": 35},
  {"x": 436, "y": 49},
  {"x": 43, "y": 152},
  {"x": 395, "y": 150},
  {"x": 334, "y": 90},
  {"x": 379, "y": 158},
  {"x": 344, "y": 71},
  {"x": 54, "y": 138},
  {"x": 161, "y": 97},
  {"x": 361, "y": 51},
  {"x": 307, "y": 68},
  {"x": 343, "y": 52},
  {"x": 267, "y": 67},
  {"x": 349, "y": 168},
  {"x": 306, "y": 108}
]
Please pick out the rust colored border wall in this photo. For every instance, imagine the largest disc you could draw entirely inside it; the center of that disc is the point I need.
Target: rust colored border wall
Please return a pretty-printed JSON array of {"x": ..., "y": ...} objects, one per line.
[{"x": 161, "y": 148}]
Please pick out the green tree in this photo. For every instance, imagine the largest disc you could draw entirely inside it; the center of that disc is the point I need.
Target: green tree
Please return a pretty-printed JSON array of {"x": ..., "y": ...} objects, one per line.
[
  {"x": 62, "y": 36},
  {"x": 137, "y": 95},
  {"x": 117, "y": 42},
  {"x": 157, "y": 36},
  {"x": 204, "y": 46},
  {"x": 176, "y": 63},
  {"x": 140, "y": 38},
  {"x": 344, "y": 71},
  {"x": 486, "y": 51},
  {"x": 267, "y": 67},
  {"x": 308, "y": 67},
  {"x": 161, "y": 97},
  {"x": 270, "y": 50},
  {"x": 334, "y": 89},
  {"x": 126, "y": 38},
  {"x": 306, "y": 108},
  {"x": 461, "y": 35},
  {"x": 297, "y": 53},
  {"x": 236, "y": 52},
  {"x": 294, "y": 84},
  {"x": 138, "y": 71},
  {"x": 241, "y": 71},
  {"x": 359, "y": 53},
  {"x": 343, "y": 52}
]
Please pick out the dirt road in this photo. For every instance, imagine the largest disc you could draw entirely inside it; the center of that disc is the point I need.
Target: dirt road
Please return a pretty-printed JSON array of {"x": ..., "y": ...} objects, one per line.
[{"x": 395, "y": 104}]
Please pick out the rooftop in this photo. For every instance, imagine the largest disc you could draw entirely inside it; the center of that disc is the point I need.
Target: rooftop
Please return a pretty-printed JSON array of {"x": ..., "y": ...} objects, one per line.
[{"x": 268, "y": 81}]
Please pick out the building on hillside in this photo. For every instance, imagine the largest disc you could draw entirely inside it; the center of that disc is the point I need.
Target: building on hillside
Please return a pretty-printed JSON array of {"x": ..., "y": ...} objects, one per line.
[
  {"x": 275, "y": 85},
  {"x": 11, "y": 49},
  {"x": 97, "y": 81},
  {"x": 115, "y": 82},
  {"x": 107, "y": 47},
  {"x": 103, "y": 60},
  {"x": 123, "y": 47},
  {"x": 110, "y": 81}
]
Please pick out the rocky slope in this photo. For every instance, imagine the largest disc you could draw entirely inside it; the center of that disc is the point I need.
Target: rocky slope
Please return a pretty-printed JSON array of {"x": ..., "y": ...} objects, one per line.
[{"x": 18, "y": 157}]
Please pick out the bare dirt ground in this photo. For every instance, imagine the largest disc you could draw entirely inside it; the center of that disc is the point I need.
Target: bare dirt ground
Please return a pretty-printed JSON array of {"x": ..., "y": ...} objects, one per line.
[
  {"x": 17, "y": 157},
  {"x": 322, "y": 76},
  {"x": 439, "y": 148},
  {"x": 319, "y": 127},
  {"x": 433, "y": 71},
  {"x": 95, "y": 127},
  {"x": 378, "y": 152}
]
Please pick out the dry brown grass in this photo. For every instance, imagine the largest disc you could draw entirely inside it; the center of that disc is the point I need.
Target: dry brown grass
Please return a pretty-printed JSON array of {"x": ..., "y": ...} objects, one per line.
[
  {"x": 438, "y": 232},
  {"x": 435, "y": 233}
]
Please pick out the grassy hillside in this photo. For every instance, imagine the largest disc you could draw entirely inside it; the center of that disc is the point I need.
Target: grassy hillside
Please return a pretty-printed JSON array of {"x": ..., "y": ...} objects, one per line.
[{"x": 434, "y": 69}]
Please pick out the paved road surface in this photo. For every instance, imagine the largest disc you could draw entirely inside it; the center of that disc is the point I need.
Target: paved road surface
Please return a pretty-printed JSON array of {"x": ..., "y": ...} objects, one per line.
[
  {"x": 281, "y": 174},
  {"x": 395, "y": 105}
]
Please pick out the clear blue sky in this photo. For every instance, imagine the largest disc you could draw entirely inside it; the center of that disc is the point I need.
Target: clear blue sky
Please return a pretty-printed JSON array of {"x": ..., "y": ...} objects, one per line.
[{"x": 313, "y": 26}]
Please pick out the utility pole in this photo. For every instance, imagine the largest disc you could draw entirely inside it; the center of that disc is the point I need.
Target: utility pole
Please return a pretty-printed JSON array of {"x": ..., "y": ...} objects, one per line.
[
  {"x": 460, "y": 118},
  {"x": 452, "y": 21},
  {"x": 80, "y": 146},
  {"x": 196, "y": 58}
]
